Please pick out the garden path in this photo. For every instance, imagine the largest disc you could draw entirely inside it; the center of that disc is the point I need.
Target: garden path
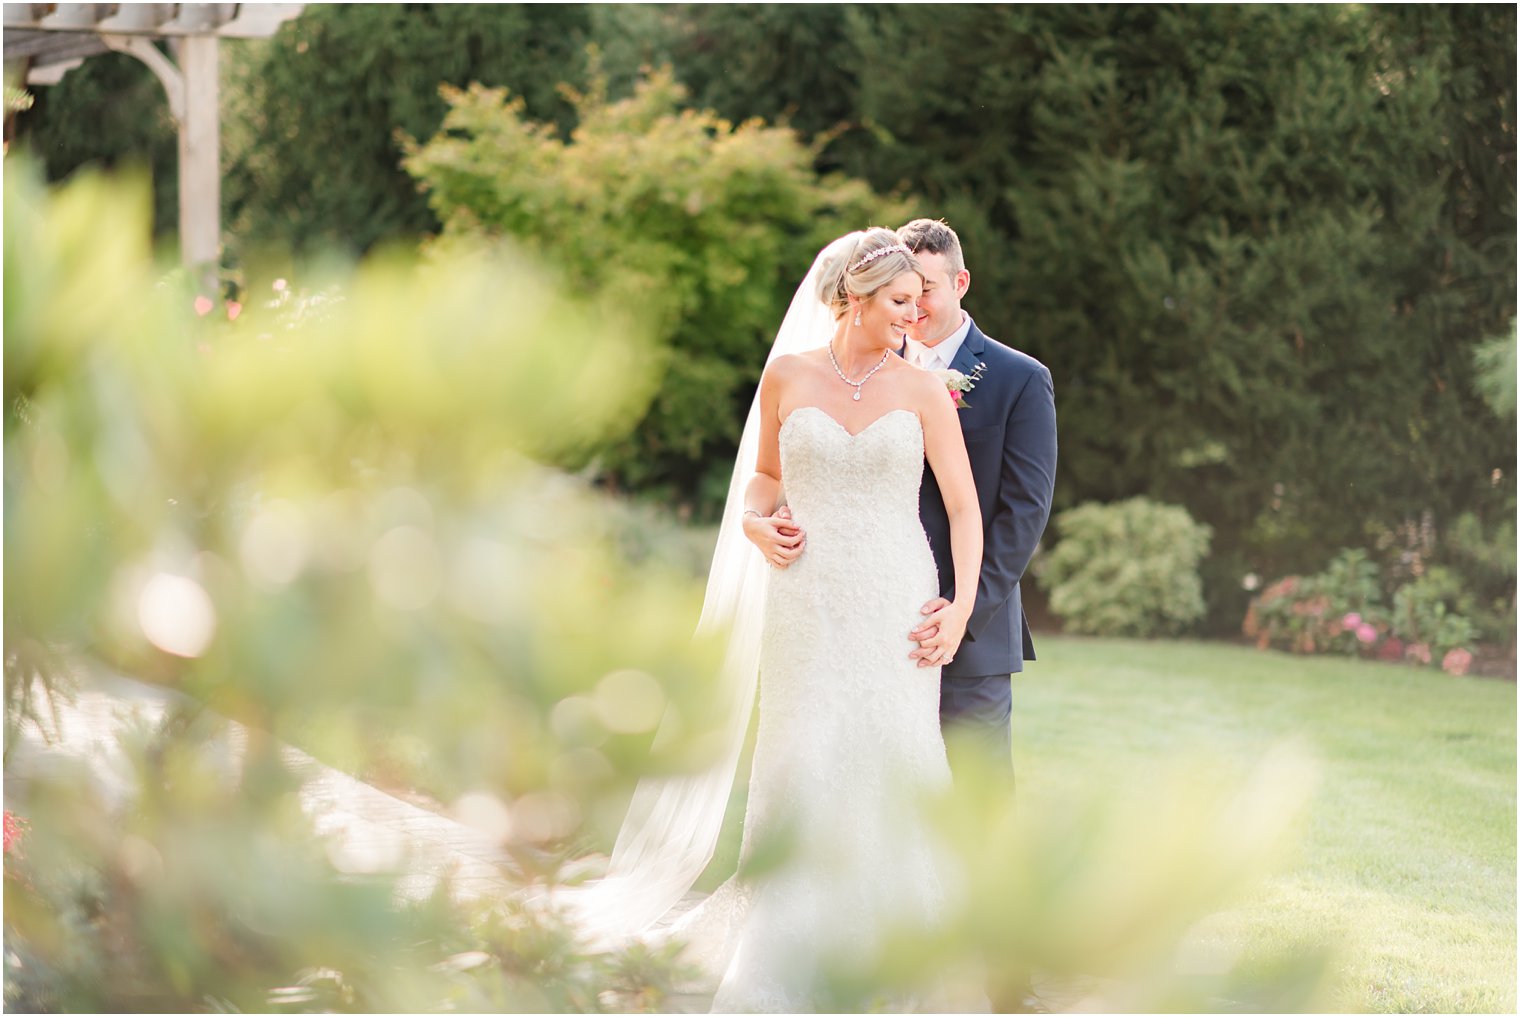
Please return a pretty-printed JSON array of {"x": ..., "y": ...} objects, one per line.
[{"x": 365, "y": 829}]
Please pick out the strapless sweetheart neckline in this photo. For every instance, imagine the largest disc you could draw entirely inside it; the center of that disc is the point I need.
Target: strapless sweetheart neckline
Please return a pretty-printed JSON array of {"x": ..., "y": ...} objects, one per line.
[{"x": 830, "y": 418}]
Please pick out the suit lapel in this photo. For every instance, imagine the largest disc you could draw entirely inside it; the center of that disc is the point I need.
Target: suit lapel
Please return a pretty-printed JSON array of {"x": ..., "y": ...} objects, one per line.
[{"x": 970, "y": 353}]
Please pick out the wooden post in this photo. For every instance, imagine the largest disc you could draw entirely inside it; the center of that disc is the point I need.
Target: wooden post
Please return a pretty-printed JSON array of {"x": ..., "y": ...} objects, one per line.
[
  {"x": 192, "y": 90},
  {"x": 200, "y": 170}
]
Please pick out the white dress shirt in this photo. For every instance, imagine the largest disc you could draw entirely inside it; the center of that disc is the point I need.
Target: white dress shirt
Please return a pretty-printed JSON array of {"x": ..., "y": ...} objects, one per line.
[{"x": 939, "y": 356}]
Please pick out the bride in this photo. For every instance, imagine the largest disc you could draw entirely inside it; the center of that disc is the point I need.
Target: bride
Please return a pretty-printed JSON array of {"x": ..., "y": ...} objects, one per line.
[{"x": 820, "y": 595}]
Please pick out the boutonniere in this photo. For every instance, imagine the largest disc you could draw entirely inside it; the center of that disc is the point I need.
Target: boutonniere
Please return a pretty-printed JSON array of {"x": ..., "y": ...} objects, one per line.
[{"x": 956, "y": 383}]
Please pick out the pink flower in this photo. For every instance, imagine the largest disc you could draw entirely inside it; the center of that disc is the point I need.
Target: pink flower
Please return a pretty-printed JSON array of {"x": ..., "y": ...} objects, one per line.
[
  {"x": 1366, "y": 633},
  {"x": 1392, "y": 649},
  {"x": 203, "y": 306},
  {"x": 1457, "y": 662},
  {"x": 1351, "y": 620},
  {"x": 1418, "y": 651},
  {"x": 233, "y": 310}
]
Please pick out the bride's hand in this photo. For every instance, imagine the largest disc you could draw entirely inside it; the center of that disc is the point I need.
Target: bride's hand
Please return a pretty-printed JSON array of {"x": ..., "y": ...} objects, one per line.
[
  {"x": 939, "y": 637},
  {"x": 777, "y": 537}
]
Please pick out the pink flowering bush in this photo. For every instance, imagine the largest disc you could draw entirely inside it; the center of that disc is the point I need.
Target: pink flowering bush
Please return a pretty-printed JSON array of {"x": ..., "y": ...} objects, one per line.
[
  {"x": 1456, "y": 662},
  {"x": 1337, "y": 611},
  {"x": 1341, "y": 610}
]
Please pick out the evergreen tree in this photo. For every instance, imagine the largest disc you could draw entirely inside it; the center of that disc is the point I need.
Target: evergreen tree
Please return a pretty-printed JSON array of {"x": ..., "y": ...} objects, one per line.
[
  {"x": 792, "y": 64},
  {"x": 320, "y": 167}
]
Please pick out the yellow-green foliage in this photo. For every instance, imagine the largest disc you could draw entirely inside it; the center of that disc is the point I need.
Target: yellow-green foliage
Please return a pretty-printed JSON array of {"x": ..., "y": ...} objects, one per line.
[
  {"x": 701, "y": 225},
  {"x": 319, "y": 514}
]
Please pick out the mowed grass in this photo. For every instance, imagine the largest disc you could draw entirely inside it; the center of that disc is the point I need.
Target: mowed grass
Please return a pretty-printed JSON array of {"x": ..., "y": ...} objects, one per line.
[{"x": 1406, "y": 864}]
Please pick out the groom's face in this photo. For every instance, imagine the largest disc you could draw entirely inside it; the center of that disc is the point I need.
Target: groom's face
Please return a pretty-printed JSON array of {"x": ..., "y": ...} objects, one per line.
[{"x": 939, "y": 309}]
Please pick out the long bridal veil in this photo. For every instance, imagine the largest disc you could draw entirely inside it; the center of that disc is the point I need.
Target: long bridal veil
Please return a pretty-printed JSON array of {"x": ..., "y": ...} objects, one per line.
[{"x": 672, "y": 825}]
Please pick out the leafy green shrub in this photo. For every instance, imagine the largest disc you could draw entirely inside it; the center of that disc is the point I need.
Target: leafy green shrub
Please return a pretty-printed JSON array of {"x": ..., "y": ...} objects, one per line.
[
  {"x": 1432, "y": 612},
  {"x": 701, "y": 226},
  {"x": 1484, "y": 556},
  {"x": 1126, "y": 569},
  {"x": 1477, "y": 549}
]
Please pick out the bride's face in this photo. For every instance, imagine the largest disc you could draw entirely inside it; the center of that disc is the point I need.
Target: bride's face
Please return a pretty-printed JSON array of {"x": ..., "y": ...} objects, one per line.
[{"x": 886, "y": 315}]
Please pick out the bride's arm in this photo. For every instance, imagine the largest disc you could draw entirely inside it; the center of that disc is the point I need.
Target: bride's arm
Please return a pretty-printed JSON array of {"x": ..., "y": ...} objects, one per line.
[
  {"x": 945, "y": 448},
  {"x": 777, "y": 537}
]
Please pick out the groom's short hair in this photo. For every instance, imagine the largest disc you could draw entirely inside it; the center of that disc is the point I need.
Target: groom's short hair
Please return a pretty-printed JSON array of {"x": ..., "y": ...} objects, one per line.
[{"x": 933, "y": 236}]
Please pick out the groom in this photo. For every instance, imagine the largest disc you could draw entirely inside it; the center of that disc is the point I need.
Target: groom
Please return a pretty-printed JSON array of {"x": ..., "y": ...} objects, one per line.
[{"x": 1010, "y": 428}]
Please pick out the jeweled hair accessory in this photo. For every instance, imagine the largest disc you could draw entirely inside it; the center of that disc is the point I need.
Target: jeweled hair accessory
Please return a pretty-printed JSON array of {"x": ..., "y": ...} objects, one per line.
[{"x": 879, "y": 252}]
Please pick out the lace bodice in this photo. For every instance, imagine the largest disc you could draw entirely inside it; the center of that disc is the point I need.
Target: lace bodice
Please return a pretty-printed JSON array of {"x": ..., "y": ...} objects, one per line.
[{"x": 839, "y": 480}]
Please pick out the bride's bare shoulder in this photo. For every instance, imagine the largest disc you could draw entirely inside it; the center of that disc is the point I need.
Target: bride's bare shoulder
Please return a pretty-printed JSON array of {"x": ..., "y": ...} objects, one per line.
[
  {"x": 790, "y": 366},
  {"x": 796, "y": 361}
]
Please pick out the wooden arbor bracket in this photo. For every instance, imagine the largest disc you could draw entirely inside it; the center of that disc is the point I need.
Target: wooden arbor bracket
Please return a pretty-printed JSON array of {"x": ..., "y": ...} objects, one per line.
[
  {"x": 168, "y": 74},
  {"x": 192, "y": 90}
]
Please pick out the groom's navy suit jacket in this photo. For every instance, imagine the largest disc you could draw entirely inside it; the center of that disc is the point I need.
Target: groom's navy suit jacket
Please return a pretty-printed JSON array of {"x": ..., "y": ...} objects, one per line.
[{"x": 1010, "y": 430}]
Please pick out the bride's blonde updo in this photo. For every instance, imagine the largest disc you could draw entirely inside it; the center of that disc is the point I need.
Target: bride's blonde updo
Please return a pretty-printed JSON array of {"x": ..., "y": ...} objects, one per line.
[{"x": 876, "y": 258}]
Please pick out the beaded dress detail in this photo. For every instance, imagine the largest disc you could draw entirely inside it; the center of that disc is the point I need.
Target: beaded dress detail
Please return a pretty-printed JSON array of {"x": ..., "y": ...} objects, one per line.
[{"x": 849, "y": 734}]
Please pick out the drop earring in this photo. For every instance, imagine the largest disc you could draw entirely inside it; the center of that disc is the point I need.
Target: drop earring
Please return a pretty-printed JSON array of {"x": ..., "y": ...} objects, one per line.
[{"x": 857, "y": 319}]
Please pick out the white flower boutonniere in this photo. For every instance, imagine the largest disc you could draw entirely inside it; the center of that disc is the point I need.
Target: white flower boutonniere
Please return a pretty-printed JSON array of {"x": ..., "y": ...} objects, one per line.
[{"x": 956, "y": 383}]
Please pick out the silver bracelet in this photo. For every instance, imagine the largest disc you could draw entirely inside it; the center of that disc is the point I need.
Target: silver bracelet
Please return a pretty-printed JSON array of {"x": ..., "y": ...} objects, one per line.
[{"x": 748, "y": 511}]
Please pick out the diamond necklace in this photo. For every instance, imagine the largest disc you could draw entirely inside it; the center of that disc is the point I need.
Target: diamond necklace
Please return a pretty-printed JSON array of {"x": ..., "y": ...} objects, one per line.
[{"x": 884, "y": 355}]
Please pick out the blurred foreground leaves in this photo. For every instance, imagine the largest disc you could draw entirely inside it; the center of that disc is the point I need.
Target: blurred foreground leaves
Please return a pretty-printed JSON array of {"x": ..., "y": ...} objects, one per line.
[
  {"x": 322, "y": 516},
  {"x": 330, "y": 512}
]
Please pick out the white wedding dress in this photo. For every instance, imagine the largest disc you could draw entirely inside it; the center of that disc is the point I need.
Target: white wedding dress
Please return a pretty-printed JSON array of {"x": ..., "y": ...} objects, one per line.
[{"x": 849, "y": 740}]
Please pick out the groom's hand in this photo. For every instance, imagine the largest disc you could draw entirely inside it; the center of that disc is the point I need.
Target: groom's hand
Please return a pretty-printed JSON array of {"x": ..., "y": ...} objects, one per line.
[{"x": 777, "y": 537}]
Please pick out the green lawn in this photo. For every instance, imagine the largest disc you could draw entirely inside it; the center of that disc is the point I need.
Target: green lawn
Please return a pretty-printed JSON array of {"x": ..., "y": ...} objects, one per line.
[{"x": 1407, "y": 861}]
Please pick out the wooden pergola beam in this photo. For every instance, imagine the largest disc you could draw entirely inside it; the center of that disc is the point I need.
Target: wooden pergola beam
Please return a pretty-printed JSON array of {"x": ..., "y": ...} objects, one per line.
[{"x": 48, "y": 39}]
